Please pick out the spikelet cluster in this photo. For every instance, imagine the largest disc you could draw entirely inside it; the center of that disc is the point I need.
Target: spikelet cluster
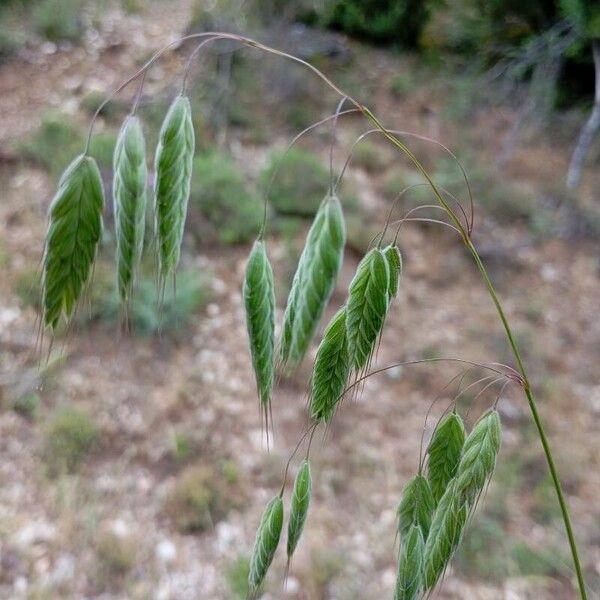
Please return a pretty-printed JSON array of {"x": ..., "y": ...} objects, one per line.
[
  {"x": 438, "y": 506},
  {"x": 475, "y": 466},
  {"x": 173, "y": 165},
  {"x": 259, "y": 302},
  {"x": 313, "y": 282},
  {"x": 265, "y": 545},
  {"x": 129, "y": 202},
  {"x": 74, "y": 230}
]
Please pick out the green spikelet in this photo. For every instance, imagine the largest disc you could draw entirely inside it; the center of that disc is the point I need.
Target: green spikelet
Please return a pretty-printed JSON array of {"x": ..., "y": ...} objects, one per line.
[
  {"x": 259, "y": 301},
  {"x": 313, "y": 281},
  {"x": 410, "y": 565},
  {"x": 444, "y": 453},
  {"x": 331, "y": 369},
  {"x": 74, "y": 230},
  {"x": 265, "y": 545},
  {"x": 416, "y": 507},
  {"x": 394, "y": 260},
  {"x": 289, "y": 316},
  {"x": 299, "y": 509},
  {"x": 129, "y": 201},
  {"x": 173, "y": 165},
  {"x": 445, "y": 532},
  {"x": 478, "y": 459},
  {"x": 366, "y": 307}
]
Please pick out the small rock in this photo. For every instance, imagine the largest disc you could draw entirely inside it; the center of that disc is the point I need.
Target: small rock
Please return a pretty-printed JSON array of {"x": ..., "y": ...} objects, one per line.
[
  {"x": 166, "y": 552},
  {"x": 35, "y": 533}
]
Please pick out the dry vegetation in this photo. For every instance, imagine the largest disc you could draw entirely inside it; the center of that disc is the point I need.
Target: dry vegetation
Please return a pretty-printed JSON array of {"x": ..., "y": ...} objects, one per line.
[{"x": 133, "y": 466}]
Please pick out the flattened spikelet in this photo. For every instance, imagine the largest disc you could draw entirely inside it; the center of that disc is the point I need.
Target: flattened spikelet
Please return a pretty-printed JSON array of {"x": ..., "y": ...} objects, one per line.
[
  {"x": 313, "y": 281},
  {"x": 331, "y": 369},
  {"x": 74, "y": 230},
  {"x": 299, "y": 508},
  {"x": 394, "y": 260},
  {"x": 478, "y": 459},
  {"x": 129, "y": 201},
  {"x": 289, "y": 316},
  {"x": 367, "y": 307},
  {"x": 410, "y": 565},
  {"x": 173, "y": 165},
  {"x": 444, "y": 536},
  {"x": 416, "y": 507},
  {"x": 444, "y": 453},
  {"x": 265, "y": 545},
  {"x": 259, "y": 301}
]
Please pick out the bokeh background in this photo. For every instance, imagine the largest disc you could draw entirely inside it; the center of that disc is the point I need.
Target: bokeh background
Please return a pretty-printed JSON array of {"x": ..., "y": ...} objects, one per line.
[{"x": 132, "y": 465}]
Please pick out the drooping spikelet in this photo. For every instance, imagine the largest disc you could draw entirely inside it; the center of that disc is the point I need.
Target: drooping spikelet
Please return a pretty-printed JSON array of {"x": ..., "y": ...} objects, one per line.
[
  {"x": 444, "y": 453},
  {"x": 331, "y": 369},
  {"x": 259, "y": 302},
  {"x": 173, "y": 165},
  {"x": 394, "y": 259},
  {"x": 444, "y": 536},
  {"x": 74, "y": 230},
  {"x": 478, "y": 459},
  {"x": 299, "y": 508},
  {"x": 416, "y": 507},
  {"x": 409, "y": 581},
  {"x": 129, "y": 202},
  {"x": 265, "y": 545},
  {"x": 366, "y": 307},
  {"x": 313, "y": 281}
]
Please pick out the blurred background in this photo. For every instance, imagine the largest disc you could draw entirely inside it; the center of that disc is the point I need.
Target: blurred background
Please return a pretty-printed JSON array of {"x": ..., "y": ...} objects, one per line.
[{"x": 133, "y": 465}]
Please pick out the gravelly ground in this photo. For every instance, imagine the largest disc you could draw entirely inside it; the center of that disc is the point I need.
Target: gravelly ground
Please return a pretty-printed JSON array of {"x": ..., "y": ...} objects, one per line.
[{"x": 140, "y": 391}]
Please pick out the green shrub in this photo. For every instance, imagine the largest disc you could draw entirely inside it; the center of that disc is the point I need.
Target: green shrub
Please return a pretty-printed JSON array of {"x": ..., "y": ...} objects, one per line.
[
  {"x": 57, "y": 141},
  {"x": 300, "y": 184},
  {"x": 70, "y": 435},
  {"x": 402, "y": 84},
  {"x": 58, "y": 20},
  {"x": 397, "y": 21},
  {"x": 116, "y": 554},
  {"x": 221, "y": 195},
  {"x": 149, "y": 312},
  {"x": 26, "y": 405},
  {"x": 200, "y": 496},
  {"x": 9, "y": 39},
  {"x": 370, "y": 157}
]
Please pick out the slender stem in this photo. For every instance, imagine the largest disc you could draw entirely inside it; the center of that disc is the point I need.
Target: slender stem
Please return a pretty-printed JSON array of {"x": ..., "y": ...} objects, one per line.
[
  {"x": 559, "y": 492},
  {"x": 538, "y": 423}
]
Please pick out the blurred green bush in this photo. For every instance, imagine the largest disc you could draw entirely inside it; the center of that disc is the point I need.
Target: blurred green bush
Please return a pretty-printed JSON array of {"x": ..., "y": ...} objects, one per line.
[
  {"x": 57, "y": 141},
  {"x": 220, "y": 193},
  {"x": 199, "y": 497},
  {"x": 395, "y": 21},
  {"x": 70, "y": 435},
  {"x": 300, "y": 183}
]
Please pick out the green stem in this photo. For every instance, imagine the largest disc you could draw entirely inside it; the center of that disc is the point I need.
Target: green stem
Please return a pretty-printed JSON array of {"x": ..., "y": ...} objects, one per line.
[{"x": 537, "y": 420}]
